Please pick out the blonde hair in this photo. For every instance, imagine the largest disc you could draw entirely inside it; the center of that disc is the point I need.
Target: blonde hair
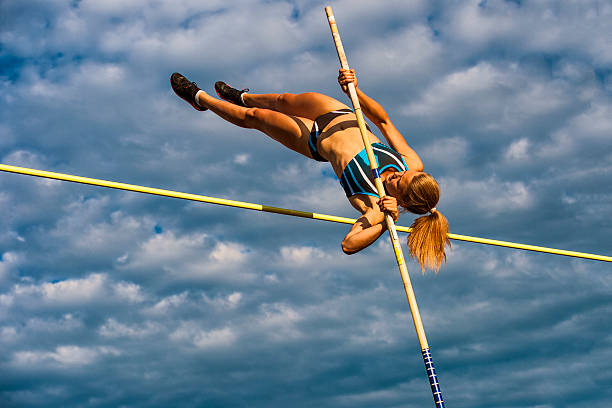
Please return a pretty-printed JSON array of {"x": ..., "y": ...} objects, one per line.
[{"x": 428, "y": 239}]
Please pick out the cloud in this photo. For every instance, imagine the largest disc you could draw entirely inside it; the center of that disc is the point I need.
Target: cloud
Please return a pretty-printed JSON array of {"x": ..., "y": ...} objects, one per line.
[
  {"x": 301, "y": 255},
  {"x": 196, "y": 256},
  {"x": 491, "y": 197},
  {"x": 66, "y": 356},
  {"x": 189, "y": 332},
  {"x": 8, "y": 265},
  {"x": 451, "y": 151},
  {"x": 121, "y": 299},
  {"x": 518, "y": 150},
  {"x": 112, "y": 328},
  {"x": 230, "y": 301},
  {"x": 533, "y": 27},
  {"x": 591, "y": 126},
  {"x": 168, "y": 303},
  {"x": 499, "y": 100},
  {"x": 93, "y": 289}
]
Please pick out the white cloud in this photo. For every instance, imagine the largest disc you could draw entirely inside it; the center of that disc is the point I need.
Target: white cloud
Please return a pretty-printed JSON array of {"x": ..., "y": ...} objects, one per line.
[
  {"x": 480, "y": 25},
  {"x": 475, "y": 91},
  {"x": 8, "y": 334},
  {"x": 279, "y": 322},
  {"x": 129, "y": 291},
  {"x": 407, "y": 55},
  {"x": 215, "y": 338},
  {"x": 302, "y": 255},
  {"x": 491, "y": 197},
  {"x": 23, "y": 158},
  {"x": 85, "y": 290},
  {"x": 190, "y": 256},
  {"x": 93, "y": 289},
  {"x": 589, "y": 128},
  {"x": 377, "y": 330},
  {"x": 450, "y": 151},
  {"x": 66, "y": 356},
  {"x": 9, "y": 262},
  {"x": 230, "y": 253},
  {"x": 547, "y": 26},
  {"x": 112, "y": 328},
  {"x": 493, "y": 97},
  {"x": 167, "y": 248},
  {"x": 242, "y": 158},
  {"x": 228, "y": 302},
  {"x": 518, "y": 150},
  {"x": 99, "y": 76},
  {"x": 42, "y": 327},
  {"x": 191, "y": 332},
  {"x": 166, "y": 304}
]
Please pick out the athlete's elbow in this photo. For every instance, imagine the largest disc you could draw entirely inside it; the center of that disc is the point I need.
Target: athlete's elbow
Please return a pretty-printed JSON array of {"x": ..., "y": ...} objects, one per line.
[
  {"x": 349, "y": 248},
  {"x": 381, "y": 120},
  {"x": 415, "y": 164},
  {"x": 349, "y": 251}
]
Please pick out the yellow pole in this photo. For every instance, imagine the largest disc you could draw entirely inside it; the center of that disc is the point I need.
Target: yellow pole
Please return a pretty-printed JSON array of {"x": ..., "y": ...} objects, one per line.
[
  {"x": 399, "y": 256},
  {"x": 276, "y": 210}
]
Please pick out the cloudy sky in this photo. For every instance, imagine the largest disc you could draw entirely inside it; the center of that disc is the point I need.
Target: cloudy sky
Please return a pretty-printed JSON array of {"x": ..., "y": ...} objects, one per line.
[{"x": 110, "y": 298}]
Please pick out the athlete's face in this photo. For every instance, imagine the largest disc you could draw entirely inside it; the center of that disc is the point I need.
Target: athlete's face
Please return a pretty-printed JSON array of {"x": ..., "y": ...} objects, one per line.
[{"x": 398, "y": 182}]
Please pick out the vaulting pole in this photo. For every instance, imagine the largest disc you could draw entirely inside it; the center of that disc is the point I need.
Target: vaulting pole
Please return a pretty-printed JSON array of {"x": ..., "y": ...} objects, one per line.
[{"x": 414, "y": 309}]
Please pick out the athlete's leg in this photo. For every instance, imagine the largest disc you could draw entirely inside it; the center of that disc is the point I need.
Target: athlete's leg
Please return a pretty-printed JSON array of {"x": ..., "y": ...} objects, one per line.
[
  {"x": 309, "y": 105},
  {"x": 290, "y": 131}
]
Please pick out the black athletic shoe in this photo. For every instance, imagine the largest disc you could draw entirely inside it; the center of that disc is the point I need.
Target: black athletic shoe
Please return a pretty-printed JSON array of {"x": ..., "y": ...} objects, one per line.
[
  {"x": 229, "y": 94},
  {"x": 185, "y": 89}
]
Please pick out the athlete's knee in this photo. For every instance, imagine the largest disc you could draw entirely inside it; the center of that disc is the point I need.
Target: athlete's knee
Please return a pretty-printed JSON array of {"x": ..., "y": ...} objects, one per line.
[
  {"x": 285, "y": 99},
  {"x": 253, "y": 117}
]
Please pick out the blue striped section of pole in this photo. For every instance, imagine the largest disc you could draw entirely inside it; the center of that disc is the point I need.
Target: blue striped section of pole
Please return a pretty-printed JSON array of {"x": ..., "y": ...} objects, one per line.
[
  {"x": 399, "y": 255},
  {"x": 433, "y": 378}
]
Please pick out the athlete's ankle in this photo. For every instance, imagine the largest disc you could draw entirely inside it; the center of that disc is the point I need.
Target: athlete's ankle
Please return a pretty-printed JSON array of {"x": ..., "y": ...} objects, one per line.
[
  {"x": 197, "y": 98},
  {"x": 244, "y": 100}
]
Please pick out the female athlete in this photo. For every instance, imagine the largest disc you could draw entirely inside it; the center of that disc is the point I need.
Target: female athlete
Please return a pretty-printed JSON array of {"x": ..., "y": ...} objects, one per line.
[{"x": 324, "y": 129}]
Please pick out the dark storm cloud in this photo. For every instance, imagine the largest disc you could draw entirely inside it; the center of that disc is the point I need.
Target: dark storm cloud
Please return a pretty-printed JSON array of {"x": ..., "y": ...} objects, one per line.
[{"x": 111, "y": 298}]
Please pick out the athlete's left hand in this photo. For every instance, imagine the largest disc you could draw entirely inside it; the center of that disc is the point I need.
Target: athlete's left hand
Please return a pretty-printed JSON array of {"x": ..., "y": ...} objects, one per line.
[
  {"x": 388, "y": 205},
  {"x": 345, "y": 76}
]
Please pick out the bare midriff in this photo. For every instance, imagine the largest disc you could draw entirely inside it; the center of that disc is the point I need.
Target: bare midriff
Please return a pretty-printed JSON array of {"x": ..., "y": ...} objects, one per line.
[{"x": 340, "y": 141}]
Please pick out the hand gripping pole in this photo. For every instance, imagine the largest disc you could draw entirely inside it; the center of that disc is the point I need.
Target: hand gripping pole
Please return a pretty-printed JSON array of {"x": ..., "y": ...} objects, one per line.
[{"x": 414, "y": 309}]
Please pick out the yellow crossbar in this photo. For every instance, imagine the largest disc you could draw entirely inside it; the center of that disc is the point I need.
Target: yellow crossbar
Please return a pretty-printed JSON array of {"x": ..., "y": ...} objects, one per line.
[{"x": 276, "y": 210}]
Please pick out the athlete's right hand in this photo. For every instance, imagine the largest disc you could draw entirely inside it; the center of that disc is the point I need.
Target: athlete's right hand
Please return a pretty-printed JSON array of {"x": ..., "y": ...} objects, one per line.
[
  {"x": 345, "y": 77},
  {"x": 388, "y": 205}
]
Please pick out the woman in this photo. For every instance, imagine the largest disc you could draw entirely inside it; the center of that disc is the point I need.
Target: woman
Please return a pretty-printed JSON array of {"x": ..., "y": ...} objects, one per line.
[{"x": 324, "y": 129}]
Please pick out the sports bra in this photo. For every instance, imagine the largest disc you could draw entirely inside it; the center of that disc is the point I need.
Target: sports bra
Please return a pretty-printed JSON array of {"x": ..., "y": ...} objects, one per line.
[{"x": 357, "y": 176}]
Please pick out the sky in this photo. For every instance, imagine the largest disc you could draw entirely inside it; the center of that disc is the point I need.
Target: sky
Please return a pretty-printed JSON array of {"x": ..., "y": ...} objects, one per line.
[{"x": 118, "y": 299}]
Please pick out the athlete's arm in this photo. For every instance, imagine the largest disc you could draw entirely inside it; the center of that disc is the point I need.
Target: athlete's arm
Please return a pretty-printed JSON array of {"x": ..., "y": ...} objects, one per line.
[
  {"x": 370, "y": 226},
  {"x": 379, "y": 117}
]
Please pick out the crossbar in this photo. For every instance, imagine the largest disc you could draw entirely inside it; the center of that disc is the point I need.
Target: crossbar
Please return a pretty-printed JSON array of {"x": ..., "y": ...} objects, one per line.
[{"x": 276, "y": 210}]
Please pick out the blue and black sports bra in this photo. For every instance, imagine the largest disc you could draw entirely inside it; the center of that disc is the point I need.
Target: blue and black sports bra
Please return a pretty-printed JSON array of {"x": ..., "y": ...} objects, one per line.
[{"x": 357, "y": 176}]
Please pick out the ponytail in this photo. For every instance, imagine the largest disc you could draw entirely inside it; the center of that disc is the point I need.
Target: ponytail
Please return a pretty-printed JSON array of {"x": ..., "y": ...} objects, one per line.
[{"x": 428, "y": 239}]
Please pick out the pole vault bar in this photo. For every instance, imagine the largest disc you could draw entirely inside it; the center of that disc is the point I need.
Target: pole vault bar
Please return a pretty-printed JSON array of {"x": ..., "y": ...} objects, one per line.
[{"x": 276, "y": 210}]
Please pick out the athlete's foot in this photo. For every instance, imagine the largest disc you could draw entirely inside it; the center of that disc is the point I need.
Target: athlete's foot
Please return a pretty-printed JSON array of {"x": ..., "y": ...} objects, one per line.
[
  {"x": 185, "y": 89},
  {"x": 230, "y": 94}
]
